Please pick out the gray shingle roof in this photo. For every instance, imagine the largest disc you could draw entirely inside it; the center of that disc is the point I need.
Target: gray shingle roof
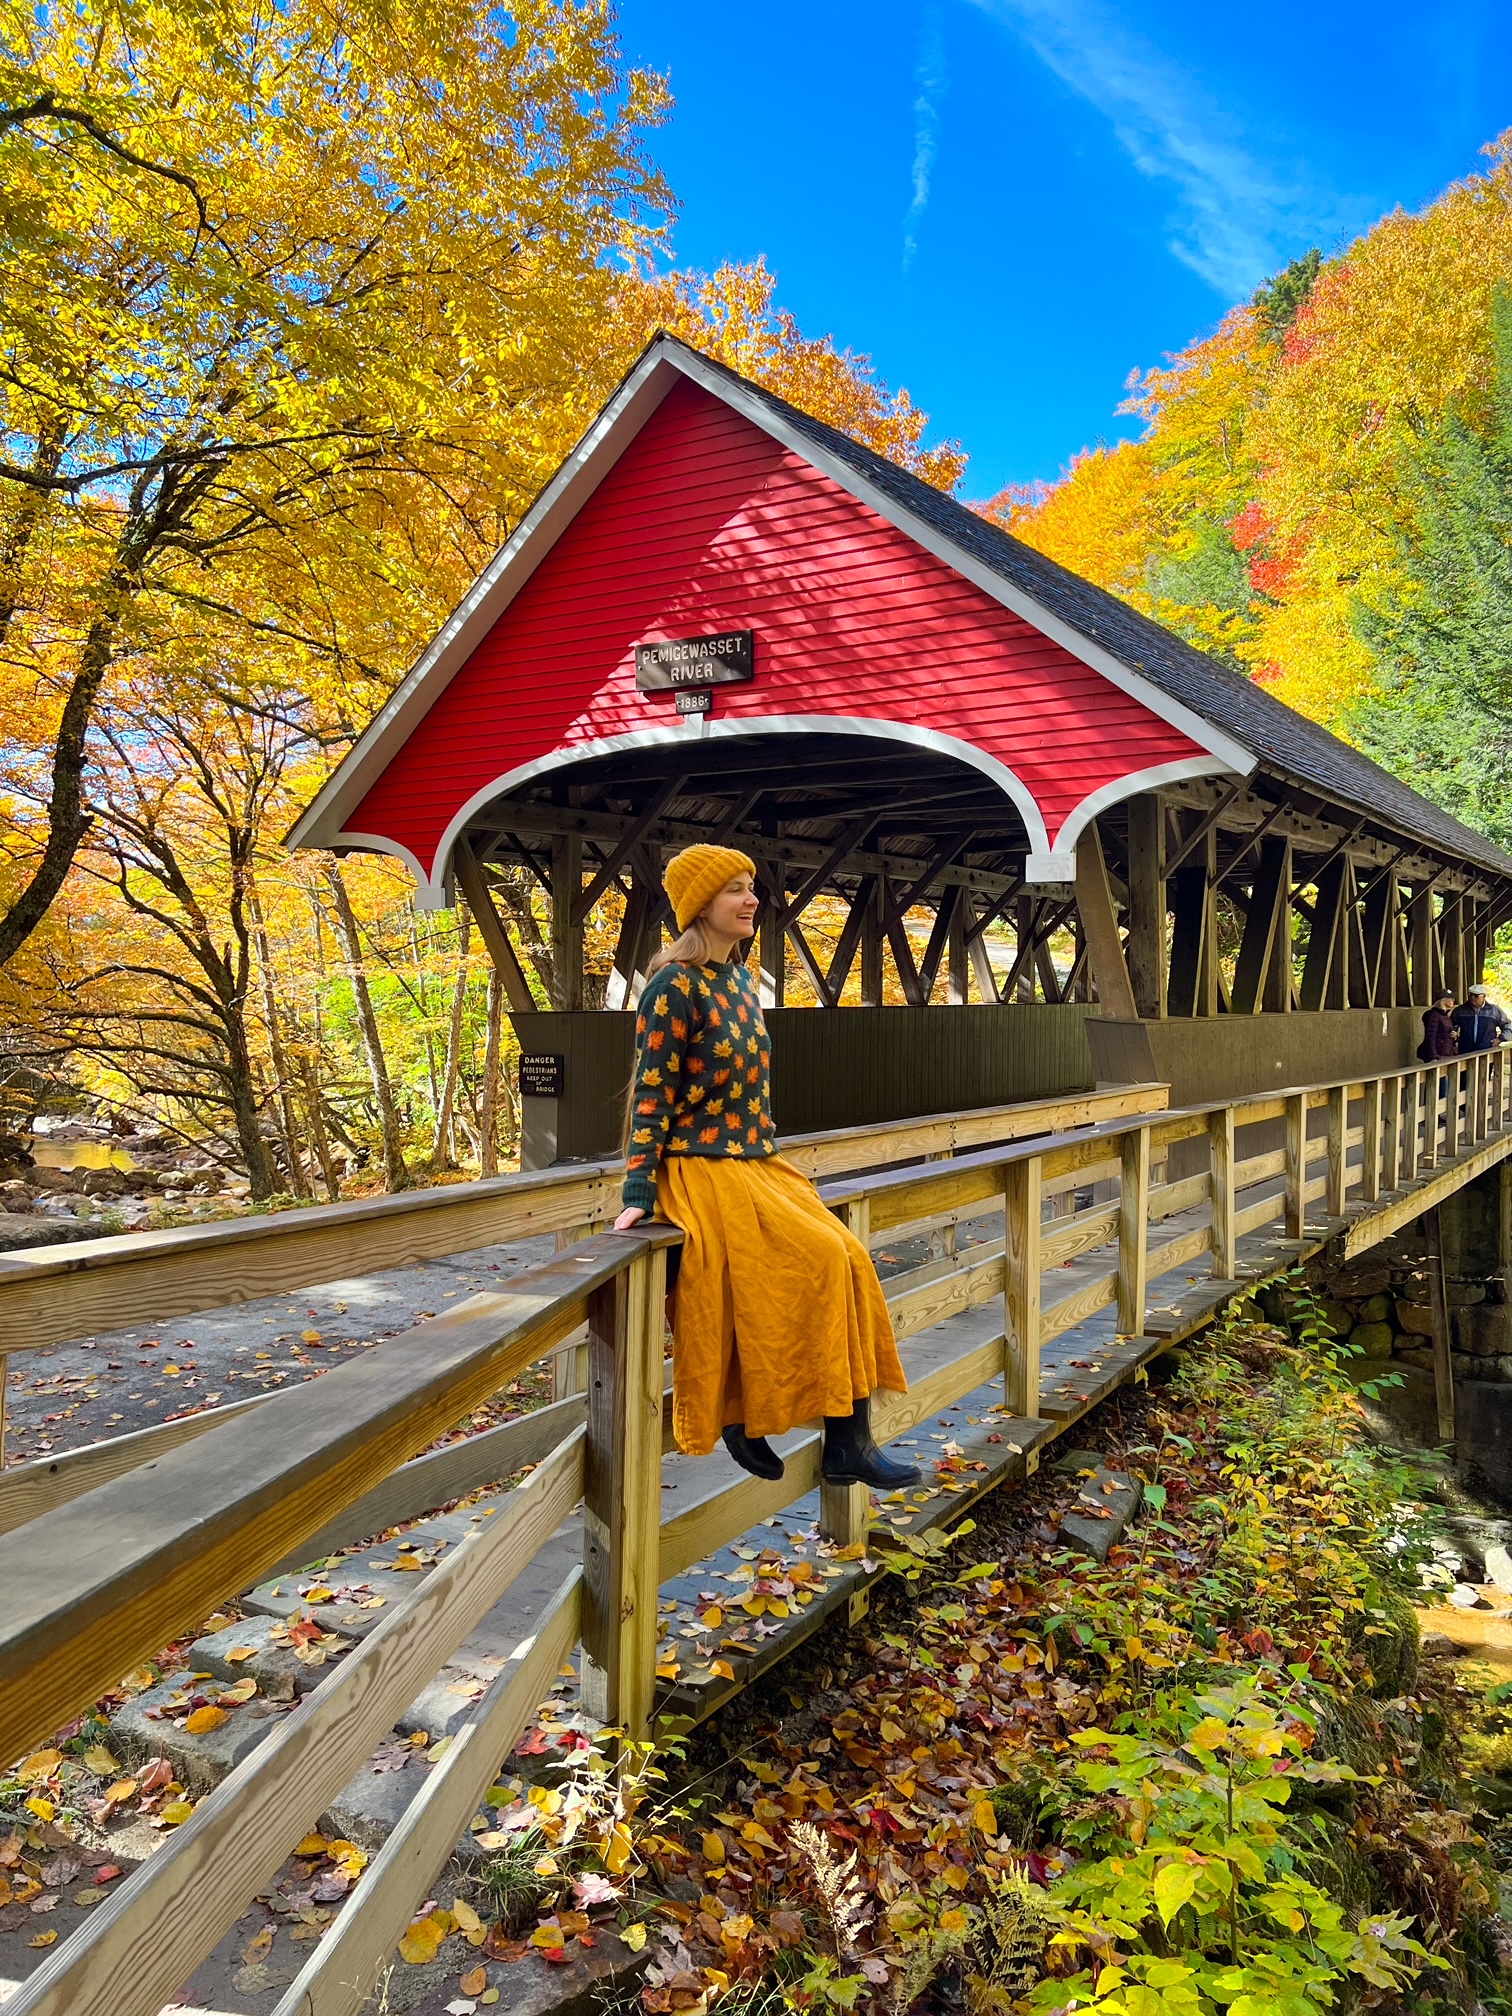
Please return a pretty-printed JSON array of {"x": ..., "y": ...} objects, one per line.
[{"x": 1287, "y": 743}]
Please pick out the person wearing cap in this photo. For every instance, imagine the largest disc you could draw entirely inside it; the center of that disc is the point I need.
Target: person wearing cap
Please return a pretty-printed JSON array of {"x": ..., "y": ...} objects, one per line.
[
  {"x": 778, "y": 1316},
  {"x": 1439, "y": 1035},
  {"x": 1478, "y": 1023}
]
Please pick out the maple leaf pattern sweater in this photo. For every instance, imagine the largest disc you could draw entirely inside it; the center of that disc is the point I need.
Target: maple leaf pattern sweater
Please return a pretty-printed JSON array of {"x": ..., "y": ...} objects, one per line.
[{"x": 703, "y": 1074}]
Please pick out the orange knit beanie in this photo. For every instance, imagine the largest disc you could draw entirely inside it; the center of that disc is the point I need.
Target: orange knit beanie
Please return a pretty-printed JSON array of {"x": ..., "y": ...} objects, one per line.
[{"x": 696, "y": 876}]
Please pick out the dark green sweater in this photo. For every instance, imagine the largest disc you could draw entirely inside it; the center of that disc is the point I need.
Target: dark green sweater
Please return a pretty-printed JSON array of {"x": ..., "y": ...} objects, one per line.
[{"x": 702, "y": 1073}]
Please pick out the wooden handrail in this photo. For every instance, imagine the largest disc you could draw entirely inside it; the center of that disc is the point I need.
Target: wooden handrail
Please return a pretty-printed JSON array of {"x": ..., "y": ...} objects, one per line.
[
  {"x": 55, "y": 1292},
  {"x": 106, "y": 1578}
]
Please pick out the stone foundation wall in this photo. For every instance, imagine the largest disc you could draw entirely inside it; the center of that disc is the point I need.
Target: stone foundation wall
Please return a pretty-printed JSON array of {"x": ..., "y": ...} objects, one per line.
[{"x": 1380, "y": 1303}]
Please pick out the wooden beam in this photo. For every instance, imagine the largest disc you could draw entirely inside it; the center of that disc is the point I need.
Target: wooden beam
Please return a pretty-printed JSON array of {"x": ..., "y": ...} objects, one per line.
[
  {"x": 622, "y": 1494},
  {"x": 1099, "y": 920},
  {"x": 1022, "y": 1214},
  {"x": 566, "y": 937},
  {"x": 1438, "y": 1302},
  {"x": 122, "y": 1571},
  {"x": 492, "y": 930},
  {"x": 1206, "y": 825},
  {"x": 843, "y": 848},
  {"x": 1133, "y": 1230},
  {"x": 934, "y": 950},
  {"x": 1323, "y": 942},
  {"x": 1192, "y": 989},
  {"x": 850, "y": 937},
  {"x": 1147, "y": 904},
  {"x": 348, "y": 1964},
  {"x": 808, "y": 959},
  {"x": 872, "y": 941},
  {"x": 582, "y": 904},
  {"x": 1258, "y": 947},
  {"x": 958, "y": 961}
]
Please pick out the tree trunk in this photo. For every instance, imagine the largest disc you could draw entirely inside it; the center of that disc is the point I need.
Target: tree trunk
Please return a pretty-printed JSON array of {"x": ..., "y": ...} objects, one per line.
[
  {"x": 395, "y": 1172},
  {"x": 488, "y": 1117},
  {"x": 283, "y": 1084},
  {"x": 241, "y": 1083},
  {"x": 318, "y": 1133},
  {"x": 443, "y": 1148}
]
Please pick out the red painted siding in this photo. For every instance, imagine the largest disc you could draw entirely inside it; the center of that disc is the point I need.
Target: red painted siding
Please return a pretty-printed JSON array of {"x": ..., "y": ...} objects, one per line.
[{"x": 707, "y": 524}]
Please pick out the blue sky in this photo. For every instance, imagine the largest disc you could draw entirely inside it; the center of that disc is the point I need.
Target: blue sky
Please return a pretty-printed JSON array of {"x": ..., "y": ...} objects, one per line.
[{"x": 1008, "y": 204}]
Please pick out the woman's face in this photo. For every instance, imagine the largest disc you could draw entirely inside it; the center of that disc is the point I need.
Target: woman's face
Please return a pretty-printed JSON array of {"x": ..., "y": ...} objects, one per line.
[{"x": 732, "y": 914}]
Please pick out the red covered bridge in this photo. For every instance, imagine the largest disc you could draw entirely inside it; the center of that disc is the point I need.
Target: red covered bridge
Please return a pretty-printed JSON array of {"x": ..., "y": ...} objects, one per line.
[{"x": 935, "y": 715}]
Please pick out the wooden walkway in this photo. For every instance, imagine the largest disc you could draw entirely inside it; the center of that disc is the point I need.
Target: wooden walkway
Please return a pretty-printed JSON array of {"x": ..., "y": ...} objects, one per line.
[{"x": 1027, "y": 1278}]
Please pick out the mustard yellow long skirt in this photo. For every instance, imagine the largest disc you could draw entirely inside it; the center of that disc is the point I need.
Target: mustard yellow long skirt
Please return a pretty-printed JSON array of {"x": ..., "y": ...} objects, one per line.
[{"x": 778, "y": 1315}]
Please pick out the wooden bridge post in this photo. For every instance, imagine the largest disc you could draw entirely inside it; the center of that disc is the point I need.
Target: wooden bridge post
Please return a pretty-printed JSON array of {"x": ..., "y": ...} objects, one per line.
[
  {"x": 1338, "y": 1127},
  {"x": 1481, "y": 1068},
  {"x": 1221, "y": 1183},
  {"x": 1370, "y": 1173},
  {"x": 622, "y": 1493},
  {"x": 845, "y": 1509},
  {"x": 1438, "y": 1299},
  {"x": 1021, "y": 1285},
  {"x": 1133, "y": 1230},
  {"x": 1391, "y": 1135},
  {"x": 1412, "y": 1095},
  {"x": 1454, "y": 1084},
  {"x": 1296, "y": 1164}
]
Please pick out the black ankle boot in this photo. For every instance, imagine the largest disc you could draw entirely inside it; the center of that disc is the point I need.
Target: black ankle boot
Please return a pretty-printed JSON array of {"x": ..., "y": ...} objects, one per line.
[
  {"x": 753, "y": 1453},
  {"x": 852, "y": 1457}
]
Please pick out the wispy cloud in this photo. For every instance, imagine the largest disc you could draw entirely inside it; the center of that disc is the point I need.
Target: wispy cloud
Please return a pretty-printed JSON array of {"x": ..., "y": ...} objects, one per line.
[
  {"x": 1236, "y": 219},
  {"x": 930, "y": 81}
]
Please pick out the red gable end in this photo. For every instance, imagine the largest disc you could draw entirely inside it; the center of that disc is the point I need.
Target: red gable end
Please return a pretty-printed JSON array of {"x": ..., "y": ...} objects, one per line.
[{"x": 707, "y": 523}]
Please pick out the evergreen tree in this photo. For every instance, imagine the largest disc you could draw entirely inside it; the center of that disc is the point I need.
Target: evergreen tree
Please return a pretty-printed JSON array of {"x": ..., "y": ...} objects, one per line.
[{"x": 1441, "y": 715}]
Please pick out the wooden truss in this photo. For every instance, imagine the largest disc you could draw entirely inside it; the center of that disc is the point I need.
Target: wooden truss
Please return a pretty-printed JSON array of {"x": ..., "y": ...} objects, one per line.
[{"x": 1206, "y": 898}]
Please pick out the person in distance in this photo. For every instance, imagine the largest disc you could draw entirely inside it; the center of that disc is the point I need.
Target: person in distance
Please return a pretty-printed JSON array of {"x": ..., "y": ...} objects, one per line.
[
  {"x": 1478, "y": 1022},
  {"x": 777, "y": 1316}
]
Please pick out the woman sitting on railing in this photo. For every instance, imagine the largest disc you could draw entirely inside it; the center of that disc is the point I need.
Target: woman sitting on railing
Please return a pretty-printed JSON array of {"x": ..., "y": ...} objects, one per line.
[{"x": 777, "y": 1316}]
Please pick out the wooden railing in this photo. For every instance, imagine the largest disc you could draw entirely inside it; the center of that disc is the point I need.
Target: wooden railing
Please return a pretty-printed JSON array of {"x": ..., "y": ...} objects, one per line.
[{"x": 130, "y": 1561}]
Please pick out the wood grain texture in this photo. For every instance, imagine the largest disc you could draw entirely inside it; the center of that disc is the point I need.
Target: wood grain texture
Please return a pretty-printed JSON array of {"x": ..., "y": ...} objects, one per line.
[
  {"x": 974, "y": 1279},
  {"x": 1338, "y": 1127},
  {"x": 149, "y": 1935},
  {"x": 728, "y": 1510},
  {"x": 1180, "y": 1252},
  {"x": 1133, "y": 1231},
  {"x": 1168, "y": 1199},
  {"x": 31, "y": 1489},
  {"x": 622, "y": 1495},
  {"x": 59, "y": 1292},
  {"x": 1021, "y": 1290},
  {"x": 1222, "y": 1177},
  {"x": 1068, "y": 1238},
  {"x": 345, "y": 1968},
  {"x": 121, "y": 1571},
  {"x": 1077, "y": 1307},
  {"x": 1296, "y": 1159},
  {"x": 1423, "y": 1194}
]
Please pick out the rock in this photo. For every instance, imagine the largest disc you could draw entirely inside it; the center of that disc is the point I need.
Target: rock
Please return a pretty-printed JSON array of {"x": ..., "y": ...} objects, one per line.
[
  {"x": 1376, "y": 1309},
  {"x": 1465, "y": 1597},
  {"x": 18, "y": 1234},
  {"x": 1413, "y": 1351},
  {"x": 1415, "y": 1317},
  {"x": 199, "y": 1762},
  {"x": 1464, "y": 1294},
  {"x": 1502, "y": 1367},
  {"x": 1359, "y": 1283},
  {"x": 62, "y": 1182},
  {"x": 1475, "y": 1537},
  {"x": 103, "y": 1183},
  {"x": 1110, "y": 1500},
  {"x": 1435, "y": 1644},
  {"x": 1484, "y": 1330},
  {"x": 1338, "y": 1316},
  {"x": 1078, "y": 1459},
  {"x": 1373, "y": 1339},
  {"x": 15, "y": 1196},
  {"x": 271, "y": 1665},
  {"x": 368, "y": 1808},
  {"x": 1498, "y": 1565}
]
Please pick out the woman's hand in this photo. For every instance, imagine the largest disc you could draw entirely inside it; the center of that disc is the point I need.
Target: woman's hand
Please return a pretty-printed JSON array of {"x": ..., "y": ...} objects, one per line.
[{"x": 629, "y": 1217}]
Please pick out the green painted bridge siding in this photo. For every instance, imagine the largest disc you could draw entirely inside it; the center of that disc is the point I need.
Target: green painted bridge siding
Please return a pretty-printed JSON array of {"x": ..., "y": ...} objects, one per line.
[
  {"x": 849, "y": 1067},
  {"x": 1226, "y": 1056}
]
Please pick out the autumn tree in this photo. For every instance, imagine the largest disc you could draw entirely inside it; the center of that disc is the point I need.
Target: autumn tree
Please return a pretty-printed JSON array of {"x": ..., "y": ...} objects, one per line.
[
  {"x": 295, "y": 315},
  {"x": 1440, "y": 709}
]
